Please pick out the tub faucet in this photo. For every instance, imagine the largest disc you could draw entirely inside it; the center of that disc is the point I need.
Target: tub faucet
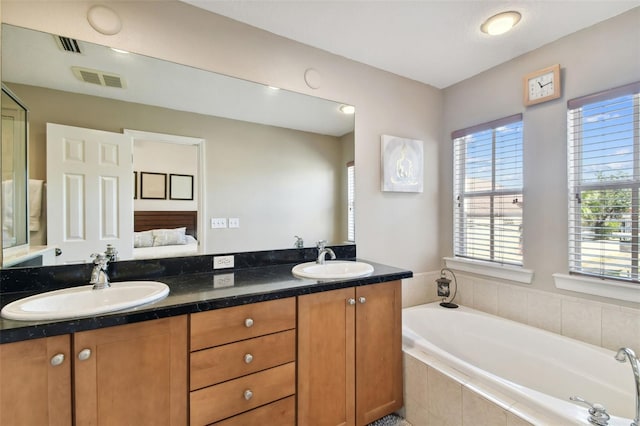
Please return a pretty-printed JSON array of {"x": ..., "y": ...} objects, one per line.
[
  {"x": 323, "y": 251},
  {"x": 99, "y": 277},
  {"x": 626, "y": 353},
  {"x": 597, "y": 413}
]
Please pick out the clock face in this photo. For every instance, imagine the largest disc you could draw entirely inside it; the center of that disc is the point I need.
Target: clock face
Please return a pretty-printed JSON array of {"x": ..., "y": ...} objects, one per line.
[{"x": 541, "y": 86}]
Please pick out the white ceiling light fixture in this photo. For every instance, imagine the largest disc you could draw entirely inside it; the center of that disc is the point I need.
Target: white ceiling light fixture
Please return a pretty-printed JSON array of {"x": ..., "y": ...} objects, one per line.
[
  {"x": 347, "y": 109},
  {"x": 500, "y": 23}
]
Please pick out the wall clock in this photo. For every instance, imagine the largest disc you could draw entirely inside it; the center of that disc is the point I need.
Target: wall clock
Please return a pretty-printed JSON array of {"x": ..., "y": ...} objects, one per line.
[{"x": 542, "y": 85}]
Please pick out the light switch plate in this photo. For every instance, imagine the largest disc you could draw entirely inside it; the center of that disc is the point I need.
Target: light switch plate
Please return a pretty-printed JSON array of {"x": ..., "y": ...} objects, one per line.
[
  {"x": 218, "y": 222},
  {"x": 234, "y": 222}
]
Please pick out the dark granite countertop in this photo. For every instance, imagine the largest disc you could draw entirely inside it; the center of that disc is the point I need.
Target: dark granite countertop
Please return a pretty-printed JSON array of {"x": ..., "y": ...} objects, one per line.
[{"x": 196, "y": 292}]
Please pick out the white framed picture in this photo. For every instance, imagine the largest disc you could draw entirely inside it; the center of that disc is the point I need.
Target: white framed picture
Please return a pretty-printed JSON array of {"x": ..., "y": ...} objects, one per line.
[{"x": 402, "y": 164}]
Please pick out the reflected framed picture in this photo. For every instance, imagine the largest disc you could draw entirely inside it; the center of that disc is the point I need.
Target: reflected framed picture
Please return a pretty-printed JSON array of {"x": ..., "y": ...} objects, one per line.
[
  {"x": 153, "y": 186},
  {"x": 402, "y": 164},
  {"x": 180, "y": 187}
]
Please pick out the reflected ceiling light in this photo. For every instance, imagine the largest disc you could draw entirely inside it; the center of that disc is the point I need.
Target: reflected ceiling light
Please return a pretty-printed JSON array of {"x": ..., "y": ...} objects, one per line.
[
  {"x": 347, "y": 109},
  {"x": 273, "y": 87},
  {"x": 119, "y": 50},
  {"x": 500, "y": 23}
]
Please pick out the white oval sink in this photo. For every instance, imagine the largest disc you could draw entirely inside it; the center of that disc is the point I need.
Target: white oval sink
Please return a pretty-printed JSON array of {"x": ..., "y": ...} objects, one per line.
[
  {"x": 84, "y": 301},
  {"x": 332, "y": 269}
]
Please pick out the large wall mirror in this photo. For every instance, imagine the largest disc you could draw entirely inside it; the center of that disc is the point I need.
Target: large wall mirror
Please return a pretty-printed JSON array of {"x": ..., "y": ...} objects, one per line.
[{"x": 274, "y": 161}]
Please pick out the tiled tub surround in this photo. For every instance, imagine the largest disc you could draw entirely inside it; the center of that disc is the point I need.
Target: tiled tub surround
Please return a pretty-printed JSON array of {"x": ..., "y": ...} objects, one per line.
[
  {"x": 602, "y": 324},
  {"x": 526, "y": 371},
  {"x": 194, "y": 287}
]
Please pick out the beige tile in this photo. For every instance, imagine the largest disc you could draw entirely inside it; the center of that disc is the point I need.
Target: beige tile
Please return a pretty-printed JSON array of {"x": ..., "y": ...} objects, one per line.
[
  {"x": 512, "y": 303},
  {"x": 445, "y": 398},
  {"x": 415, "y": 380},
  {"x": 416, "y": 413},
  {"x": 435, "y": 420},
  {"x": 582, "y": 321},
  {"x": 485, "y": 296},
  {"x": 465, "y": 290},
  {"x": 478, "y": 411},
  {"x": 544, "y": 311},
  {"x": 513, "y": 420},
  {"x": 621, "y": 328},
  {"x": 418, "y": 290}
]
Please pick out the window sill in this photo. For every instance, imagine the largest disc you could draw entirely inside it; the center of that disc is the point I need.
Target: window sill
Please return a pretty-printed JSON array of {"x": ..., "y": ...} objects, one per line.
[
  {"x": 511, "y": 273},
  {"x": 598, "y": 287}
]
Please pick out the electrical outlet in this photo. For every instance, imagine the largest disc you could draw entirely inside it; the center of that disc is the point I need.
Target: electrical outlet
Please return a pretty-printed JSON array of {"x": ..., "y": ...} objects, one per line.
[
  {"x": 218, "y": 222},
  {"x": 234, "y": 222},
  {"x": 222, "y": 262},
  {"x": 223, "y": 280}
]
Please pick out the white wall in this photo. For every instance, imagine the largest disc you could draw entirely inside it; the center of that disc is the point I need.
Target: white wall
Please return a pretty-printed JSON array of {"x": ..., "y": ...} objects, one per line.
[
  {"x": 161, "y": 157},
  {"x": 600, "y": 57},
  {"x": 393, "y": 228}
]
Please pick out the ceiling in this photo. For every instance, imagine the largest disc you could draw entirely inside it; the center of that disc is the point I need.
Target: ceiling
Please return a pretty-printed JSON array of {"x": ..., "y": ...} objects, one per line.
[
  {"x": 165, "y": 84},
  {"x": 437, "y": 42}
]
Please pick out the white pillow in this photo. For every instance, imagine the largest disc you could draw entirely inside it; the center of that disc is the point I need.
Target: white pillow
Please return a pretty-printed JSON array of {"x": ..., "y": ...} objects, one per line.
[
  {"x": 143, "y": 239},
  {"x": 169, "y": 237}
]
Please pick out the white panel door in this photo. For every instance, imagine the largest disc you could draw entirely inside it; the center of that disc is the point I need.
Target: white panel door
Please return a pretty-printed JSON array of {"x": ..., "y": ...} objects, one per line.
[{"x": 89, "y": 192}]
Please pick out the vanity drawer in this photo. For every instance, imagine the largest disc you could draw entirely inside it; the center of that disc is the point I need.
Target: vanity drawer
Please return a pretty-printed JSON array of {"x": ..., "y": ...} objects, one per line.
[
  {"x": 281, "y": 413},
  {"x": 227, "y": 399},
  {"x": 215, "y": 365},
  {"x": 228, "y": 325}
]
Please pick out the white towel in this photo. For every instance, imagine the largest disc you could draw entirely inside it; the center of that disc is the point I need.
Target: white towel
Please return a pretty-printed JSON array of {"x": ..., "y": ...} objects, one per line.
[{"x": 35, "y": 203}]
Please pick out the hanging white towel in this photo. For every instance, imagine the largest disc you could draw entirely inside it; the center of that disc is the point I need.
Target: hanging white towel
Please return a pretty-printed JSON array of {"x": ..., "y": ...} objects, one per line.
[{"x": 35, "y": 203}]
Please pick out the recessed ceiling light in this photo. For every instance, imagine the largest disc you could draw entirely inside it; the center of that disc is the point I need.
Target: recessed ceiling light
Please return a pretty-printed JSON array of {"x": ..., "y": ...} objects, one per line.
[
  {"x": 500, "y": 23},
  {"x": 347, "y": 109}
]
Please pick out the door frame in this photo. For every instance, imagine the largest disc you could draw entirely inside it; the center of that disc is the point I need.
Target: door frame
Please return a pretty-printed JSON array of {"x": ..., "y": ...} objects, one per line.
[{"x": 199, "y": 143}]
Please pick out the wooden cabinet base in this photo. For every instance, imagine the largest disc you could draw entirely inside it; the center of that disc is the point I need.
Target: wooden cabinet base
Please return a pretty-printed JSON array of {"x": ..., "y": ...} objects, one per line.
[{"x": 281, "y": 413}]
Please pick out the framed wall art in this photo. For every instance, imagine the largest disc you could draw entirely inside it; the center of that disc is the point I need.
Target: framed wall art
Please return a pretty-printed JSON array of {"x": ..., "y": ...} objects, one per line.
[
  {"x": 153, "y": 186},
  {"x": 180, "y": 187},
  {"x": 402, "y": 164}
]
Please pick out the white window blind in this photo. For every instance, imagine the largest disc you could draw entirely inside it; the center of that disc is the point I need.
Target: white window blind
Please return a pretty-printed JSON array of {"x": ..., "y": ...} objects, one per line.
[
  {"x": 351, "y": 190},
  {"x": 488, "y": 191},
  {"x": 604, "y": 183}
]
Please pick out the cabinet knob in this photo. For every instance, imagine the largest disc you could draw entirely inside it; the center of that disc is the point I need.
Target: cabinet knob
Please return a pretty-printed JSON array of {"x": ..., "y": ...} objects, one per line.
[
  {"x": 248, "y": 322},
  {"x": 248, "y": 358},
  {"x": 362, "y": 299},
  {"x": 351, "y": 301},
  {"x": 57, "y": 359},
  {"x": 84, "y": 354},
  {"x": 248, "y": 394}
]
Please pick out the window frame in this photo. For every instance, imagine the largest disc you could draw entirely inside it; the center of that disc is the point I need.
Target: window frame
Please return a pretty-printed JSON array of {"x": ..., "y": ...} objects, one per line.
[
  {"x": 460, "y": 193},
  {"x": 576, "y": 187}
]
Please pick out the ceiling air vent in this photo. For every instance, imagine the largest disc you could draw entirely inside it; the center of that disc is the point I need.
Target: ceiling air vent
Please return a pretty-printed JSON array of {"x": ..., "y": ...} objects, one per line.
[
  {"x": 68, "y": 44},
  {"x": 100, "y": 78}
]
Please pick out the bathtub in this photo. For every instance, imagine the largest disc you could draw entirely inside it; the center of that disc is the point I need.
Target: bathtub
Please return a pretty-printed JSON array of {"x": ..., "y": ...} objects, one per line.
[{"x": 537, "y": 369}]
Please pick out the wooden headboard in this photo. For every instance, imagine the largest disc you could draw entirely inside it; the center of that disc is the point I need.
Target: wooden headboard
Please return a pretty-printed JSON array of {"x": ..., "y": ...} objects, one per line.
[{"x": 146, "y": 220}]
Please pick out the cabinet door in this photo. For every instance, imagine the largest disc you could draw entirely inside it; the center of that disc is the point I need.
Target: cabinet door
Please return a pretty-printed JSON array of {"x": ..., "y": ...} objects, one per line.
[
  {"x": 34, "y": 391},
  {"x": 134, "y": 374},
  {"x": 326, "y": 358},
  {"x": 378, "y": 351}
]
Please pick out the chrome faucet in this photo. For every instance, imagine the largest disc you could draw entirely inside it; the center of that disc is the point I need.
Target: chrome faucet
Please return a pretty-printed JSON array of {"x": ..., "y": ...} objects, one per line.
[
  {"x": 323, "y": 251},
  {"x": 626, "y": 353},
  {"x": 99, "y": 277}
]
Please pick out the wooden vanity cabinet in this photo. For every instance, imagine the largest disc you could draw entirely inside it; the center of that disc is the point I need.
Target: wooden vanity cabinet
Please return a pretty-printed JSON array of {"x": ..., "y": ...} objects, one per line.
[
  {"x": 132, "y": 374},
  {"x": 243, "y": 365},
  {"x": 129, "y": 374},
  {"x": 35, "y": 382},
  {"x": 349, "y": 355}
]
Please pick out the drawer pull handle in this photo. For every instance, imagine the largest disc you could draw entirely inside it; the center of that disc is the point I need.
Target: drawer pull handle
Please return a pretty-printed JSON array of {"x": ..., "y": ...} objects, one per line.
[
  {"x": 248, "y": 394},
  {"x": 57, "y": 359},
  {"x": 351, "y": 301},
  {"x": 248, "y": 358},
  {"x": 248, "y": 322},
  {"x": 362, "y": 300},
  {"x": 84, "y": 354}
]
